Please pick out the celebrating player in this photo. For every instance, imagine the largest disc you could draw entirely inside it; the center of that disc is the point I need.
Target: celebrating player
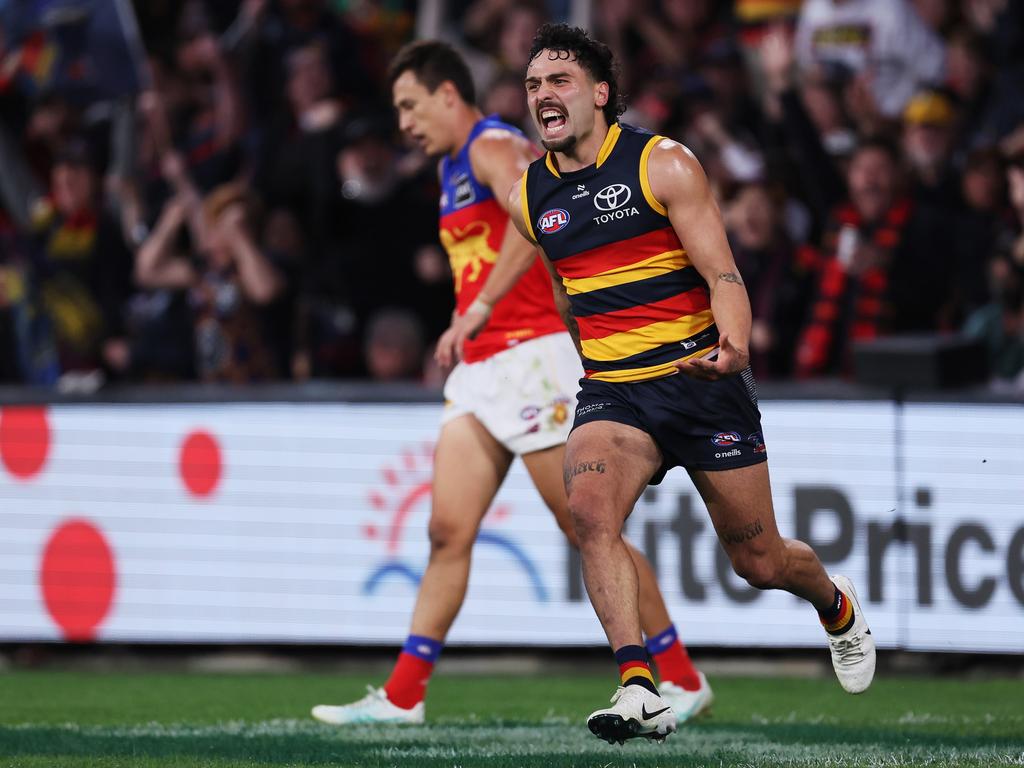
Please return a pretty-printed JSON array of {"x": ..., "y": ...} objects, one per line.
[
  {"x": 510, "y": 396},
  {"x": 649, "y": 289}
]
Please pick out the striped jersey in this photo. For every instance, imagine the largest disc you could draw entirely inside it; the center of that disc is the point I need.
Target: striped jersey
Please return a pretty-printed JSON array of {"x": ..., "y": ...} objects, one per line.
[
  {"x": 640, "y": 304},
  {"x": 472, "y": 227}
]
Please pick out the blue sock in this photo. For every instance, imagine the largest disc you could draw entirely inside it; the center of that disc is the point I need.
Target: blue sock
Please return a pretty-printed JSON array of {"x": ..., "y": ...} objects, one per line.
[{"x": 662, "y": 640}]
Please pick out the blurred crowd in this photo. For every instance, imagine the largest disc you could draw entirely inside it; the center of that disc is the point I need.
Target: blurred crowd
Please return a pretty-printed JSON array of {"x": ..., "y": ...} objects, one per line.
[{"x": 249, "y": 213}]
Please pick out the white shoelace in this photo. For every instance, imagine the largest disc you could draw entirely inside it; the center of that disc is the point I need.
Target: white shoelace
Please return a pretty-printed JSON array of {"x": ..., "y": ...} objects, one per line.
[{"x": 848, "y": 650}]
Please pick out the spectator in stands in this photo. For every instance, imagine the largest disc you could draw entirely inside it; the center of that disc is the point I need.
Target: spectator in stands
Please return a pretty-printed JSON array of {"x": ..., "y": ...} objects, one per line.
[
  {"x": 1000, "y": 323},
  {"x": 807, "y": 128},
  {"x": 207, "y": 125},
  {"x": 929, "y": 134},
  {"x": 81, "y": 270},
  {"x": 753, "y": 219},
  {"x": 978, "y": 218},
  {"x": 883, "y": 43},
  {"x": 394, "y": 346},
  {"x": 883, "y": 266},
  {"x": 230, "y": 283},
  {"x": 297, "y": 170}
]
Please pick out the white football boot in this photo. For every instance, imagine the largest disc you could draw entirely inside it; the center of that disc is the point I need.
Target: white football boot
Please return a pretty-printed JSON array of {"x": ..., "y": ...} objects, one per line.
[
  {"x": 635, "y": 711},
  {"x": 374, "y": 707},
  {"x": 687, "y": 704},
  {"x": 853, "y": 652}
]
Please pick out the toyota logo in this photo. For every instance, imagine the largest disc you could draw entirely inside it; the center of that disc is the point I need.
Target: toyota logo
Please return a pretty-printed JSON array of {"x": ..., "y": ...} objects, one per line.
[{"x": 611, "y": 197}]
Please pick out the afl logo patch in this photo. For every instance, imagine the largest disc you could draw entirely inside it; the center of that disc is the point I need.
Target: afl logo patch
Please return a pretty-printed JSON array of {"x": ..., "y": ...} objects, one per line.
[
  {"x": 725, "y": 439},
  {"x": 553, "y": 221}
]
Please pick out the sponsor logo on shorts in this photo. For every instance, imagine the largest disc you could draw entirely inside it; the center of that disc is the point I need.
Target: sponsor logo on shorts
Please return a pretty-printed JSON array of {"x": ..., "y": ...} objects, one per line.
[
  {"x": 757, "y": 441},
  {"x": 529, "y": 412},
  {"x": 590, "y": 408},
  {"x": 560, "y": 411},
  {"x": 725, "y": 439},
  {"x": 553, "y": 221},
  {"x": 729, "y": 454}
]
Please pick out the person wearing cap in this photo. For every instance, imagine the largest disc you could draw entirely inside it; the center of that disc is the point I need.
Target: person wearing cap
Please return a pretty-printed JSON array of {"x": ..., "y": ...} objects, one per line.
[{"x": 929, "y": 133}]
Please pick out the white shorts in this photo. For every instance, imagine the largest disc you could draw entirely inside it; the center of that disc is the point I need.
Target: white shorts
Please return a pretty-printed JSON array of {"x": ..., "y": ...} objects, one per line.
[{"x": 524, "y": 396}]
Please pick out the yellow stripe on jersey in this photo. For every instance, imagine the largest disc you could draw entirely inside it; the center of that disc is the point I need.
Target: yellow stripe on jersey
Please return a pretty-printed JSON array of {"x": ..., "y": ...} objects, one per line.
[
  {"x": 610, "y": 139},
  {"x": 643, "y": 374},
  {"x": 636, "y": 340},
  {"x": 659, "y": 264},
  {"x": 645, "y": 180},
  {"x": 549, "y": 161},
  {"x": 608, "y": 144},
  {"x": 526, "y": 206}
]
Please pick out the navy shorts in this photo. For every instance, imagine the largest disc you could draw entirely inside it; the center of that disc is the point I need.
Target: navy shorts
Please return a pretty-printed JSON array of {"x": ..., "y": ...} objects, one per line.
[{"x": 697, "y": 424}]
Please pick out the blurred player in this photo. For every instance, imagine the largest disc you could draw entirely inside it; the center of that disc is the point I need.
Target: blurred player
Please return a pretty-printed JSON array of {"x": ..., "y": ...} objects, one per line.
[
  {"x": 649, "y": 288},
  {"x": 511, "y": 394}
]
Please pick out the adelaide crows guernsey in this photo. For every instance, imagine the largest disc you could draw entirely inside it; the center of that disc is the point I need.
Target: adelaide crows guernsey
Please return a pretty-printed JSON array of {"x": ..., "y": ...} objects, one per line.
[
  {"x": 639, "y": 302},
  {"x": 472, "y": 227}
]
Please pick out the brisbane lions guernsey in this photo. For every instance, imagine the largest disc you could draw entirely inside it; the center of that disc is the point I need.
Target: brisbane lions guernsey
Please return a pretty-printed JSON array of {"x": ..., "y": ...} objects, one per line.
[
  {"x": 639, "y": 302},
  {"x": 472, "y": 227}
]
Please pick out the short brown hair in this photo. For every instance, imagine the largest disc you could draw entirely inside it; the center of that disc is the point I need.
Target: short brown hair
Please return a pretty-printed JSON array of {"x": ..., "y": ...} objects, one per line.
[{"x": 433, "y": 63}]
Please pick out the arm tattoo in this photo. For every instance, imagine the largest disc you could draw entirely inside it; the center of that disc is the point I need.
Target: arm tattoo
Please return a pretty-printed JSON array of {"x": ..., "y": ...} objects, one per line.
[
  {"x": 583, "y": 466},
  {"x": 731, "y": 277},
  {"x": 746, "y": 533}
]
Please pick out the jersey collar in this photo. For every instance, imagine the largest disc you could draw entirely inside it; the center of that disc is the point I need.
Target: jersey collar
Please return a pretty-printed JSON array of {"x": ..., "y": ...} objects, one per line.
[{"x": 614, "y": 131}]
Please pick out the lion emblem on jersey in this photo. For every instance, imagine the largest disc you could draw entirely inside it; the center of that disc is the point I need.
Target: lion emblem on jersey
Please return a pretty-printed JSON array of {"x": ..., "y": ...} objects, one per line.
[{"x": 468, "y": 250}]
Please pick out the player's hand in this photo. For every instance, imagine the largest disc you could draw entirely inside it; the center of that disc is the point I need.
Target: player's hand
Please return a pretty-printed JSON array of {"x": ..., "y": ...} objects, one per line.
[
  {"x": 463, "y": 327},
  {"x": 730, "y": 360}
]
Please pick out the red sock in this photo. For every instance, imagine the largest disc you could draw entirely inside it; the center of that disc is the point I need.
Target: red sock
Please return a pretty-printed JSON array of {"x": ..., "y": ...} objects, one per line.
[
  {"x": 674, "y": 665},
  {"x": 407, "y": 685}
]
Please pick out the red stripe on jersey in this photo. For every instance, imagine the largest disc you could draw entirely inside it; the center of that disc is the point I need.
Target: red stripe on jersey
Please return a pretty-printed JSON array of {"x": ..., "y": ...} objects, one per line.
[
  {"x": 686, "y": 303},
  {"x": 621, "y": 253}
]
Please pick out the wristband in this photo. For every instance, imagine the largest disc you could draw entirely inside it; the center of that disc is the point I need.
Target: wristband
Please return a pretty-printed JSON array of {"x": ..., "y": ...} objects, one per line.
[{"x": 480, "y": 306}]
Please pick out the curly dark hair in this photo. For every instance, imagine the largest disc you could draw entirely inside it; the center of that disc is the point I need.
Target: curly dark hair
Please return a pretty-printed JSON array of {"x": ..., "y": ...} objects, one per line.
[
  {"x": 596, "y": 59},
  {"x": 434, "y": 62}
]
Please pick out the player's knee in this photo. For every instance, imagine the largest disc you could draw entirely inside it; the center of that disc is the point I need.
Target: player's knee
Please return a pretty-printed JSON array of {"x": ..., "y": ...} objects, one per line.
[
  {"x": 448, "y": 536},
  {"x": 761, "y": 570},
  {"x": 590, "y": 517}
]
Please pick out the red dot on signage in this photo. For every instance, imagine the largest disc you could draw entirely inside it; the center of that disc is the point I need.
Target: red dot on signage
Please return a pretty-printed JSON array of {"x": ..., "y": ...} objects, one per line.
[
  {"x": 24, "y": 440},
  {"x": 78, "y": 578},
  {"x": 200, "y": 463}
]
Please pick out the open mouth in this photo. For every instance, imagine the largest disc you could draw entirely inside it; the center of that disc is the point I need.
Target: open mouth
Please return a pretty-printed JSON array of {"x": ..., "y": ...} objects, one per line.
[{"x": 552, "y": 119}]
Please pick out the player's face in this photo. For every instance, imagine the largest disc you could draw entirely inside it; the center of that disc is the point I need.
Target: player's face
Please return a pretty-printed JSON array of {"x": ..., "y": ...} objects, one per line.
[
  {"x": 563, "y": 99},
  {"x": 421, "y": 114}
]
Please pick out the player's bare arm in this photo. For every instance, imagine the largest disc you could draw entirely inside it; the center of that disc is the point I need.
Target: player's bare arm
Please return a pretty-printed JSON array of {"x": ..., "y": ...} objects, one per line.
[
  {"x": 678, "y": 182},
  {"x": 499, "y": 158}
]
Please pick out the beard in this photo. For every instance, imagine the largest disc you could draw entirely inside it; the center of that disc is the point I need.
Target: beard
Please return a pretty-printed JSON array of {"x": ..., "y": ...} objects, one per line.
[{"x": 559, "y": 145}]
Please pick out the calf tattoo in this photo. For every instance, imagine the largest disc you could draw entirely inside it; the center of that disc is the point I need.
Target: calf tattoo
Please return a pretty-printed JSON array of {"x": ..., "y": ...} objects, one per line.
[
  {"x": 746, "y": 533},
  {"x": 583, "y": 466}
]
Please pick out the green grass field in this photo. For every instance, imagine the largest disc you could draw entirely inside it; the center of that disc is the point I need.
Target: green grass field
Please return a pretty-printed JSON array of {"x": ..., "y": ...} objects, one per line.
[{"x": 63, "y": 719}]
